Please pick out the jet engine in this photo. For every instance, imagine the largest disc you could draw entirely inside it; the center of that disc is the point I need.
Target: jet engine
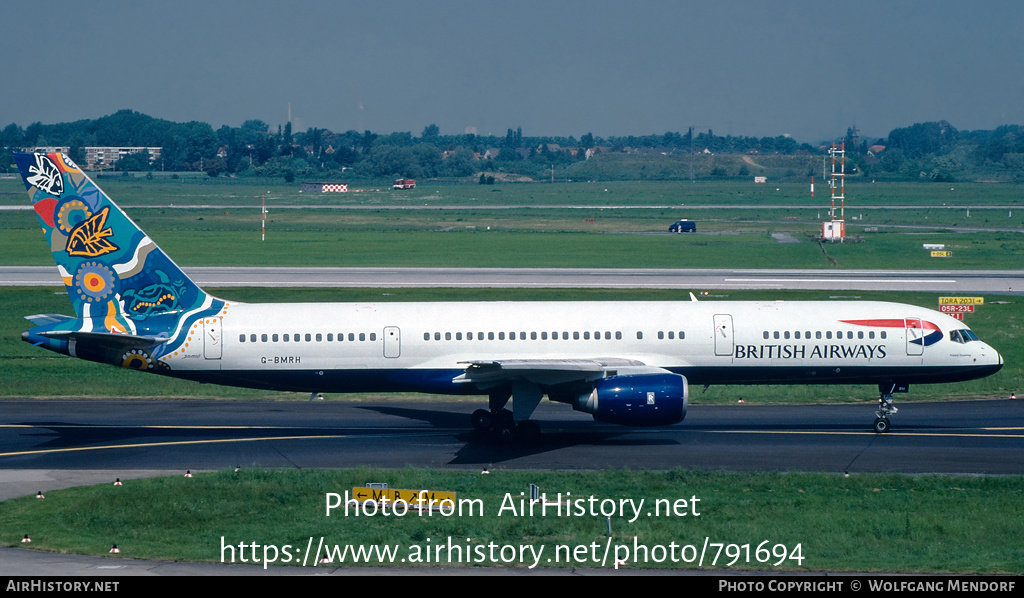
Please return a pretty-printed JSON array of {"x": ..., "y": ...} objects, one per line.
[{"x": 640, "y": 400}]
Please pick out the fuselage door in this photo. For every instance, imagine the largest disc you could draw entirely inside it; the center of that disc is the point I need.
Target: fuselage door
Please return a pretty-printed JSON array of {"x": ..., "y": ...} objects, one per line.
[
  {"x": 392, "y": 342},
  {"x": 723, "y": 334},
  {"x": 212, "y": 341},
  {"x": 915, "y": 336}
]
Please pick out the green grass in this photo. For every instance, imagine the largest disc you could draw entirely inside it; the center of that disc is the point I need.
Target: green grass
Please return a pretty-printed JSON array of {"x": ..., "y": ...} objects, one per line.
[
  {"x": 514, "y": 225},
  {"x": 884, "y": 523}
]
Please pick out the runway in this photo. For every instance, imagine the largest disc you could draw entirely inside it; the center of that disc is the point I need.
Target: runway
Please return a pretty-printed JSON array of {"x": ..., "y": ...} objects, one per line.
[
  {"x": 972, "y": 437},
  {"x": 945, "y": 281}
]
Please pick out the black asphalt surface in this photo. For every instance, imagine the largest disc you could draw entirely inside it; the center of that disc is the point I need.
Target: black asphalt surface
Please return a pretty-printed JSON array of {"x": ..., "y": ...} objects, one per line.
[{"x": 972, "y": 437}]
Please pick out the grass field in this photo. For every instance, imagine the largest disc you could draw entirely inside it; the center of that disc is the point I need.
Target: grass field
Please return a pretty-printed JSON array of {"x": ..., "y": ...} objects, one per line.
[
  {"x": 515, "y": 226},
  {"x": 808, "y": 522}
]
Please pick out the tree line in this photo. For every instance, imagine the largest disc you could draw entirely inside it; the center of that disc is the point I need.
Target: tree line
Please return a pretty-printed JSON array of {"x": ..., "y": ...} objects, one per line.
[{"x": 930, "y": 151}]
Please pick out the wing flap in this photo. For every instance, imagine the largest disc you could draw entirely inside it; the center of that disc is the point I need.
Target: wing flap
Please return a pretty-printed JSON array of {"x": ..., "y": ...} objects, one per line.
[{"x": 546, "y": 372}]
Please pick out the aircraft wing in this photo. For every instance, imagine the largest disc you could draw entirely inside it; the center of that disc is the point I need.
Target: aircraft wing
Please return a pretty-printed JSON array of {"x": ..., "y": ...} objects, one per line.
[{"x": 548, "y": 372}]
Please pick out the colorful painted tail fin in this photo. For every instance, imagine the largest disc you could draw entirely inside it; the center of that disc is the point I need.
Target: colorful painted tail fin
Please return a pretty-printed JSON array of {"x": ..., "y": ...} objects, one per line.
[{"x": 119, "y": 281}]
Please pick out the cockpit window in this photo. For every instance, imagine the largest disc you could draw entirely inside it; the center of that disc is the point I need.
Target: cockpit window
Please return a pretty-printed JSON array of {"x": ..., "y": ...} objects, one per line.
[{"x": 962, "y": 336}]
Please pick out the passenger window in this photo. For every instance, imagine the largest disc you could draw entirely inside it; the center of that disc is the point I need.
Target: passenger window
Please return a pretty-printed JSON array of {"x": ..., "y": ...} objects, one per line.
[
  {"x": 274, "y": 338},
  {"x": 682, "y": 335},
  {"x": 362, "y": 336},
  {"x": 285, "y": 338},
  {"x": 766, "y": 335},
  {"x": 817, "y": 334},
  {"x": 426, "y": 336},
  {"x": 639, "y": 335},
  {"x": 241, "y": 338},
  {"x": 264, "y": 338},
  {"x": 309, "y": 337}
]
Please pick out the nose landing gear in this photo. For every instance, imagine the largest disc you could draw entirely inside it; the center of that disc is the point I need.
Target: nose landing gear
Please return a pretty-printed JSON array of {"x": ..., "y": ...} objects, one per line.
[{"x": 885, "y": 406}]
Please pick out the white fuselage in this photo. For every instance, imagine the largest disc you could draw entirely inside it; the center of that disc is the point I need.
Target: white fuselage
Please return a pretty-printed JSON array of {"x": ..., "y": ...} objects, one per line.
[{"x": 358, "y": 347}]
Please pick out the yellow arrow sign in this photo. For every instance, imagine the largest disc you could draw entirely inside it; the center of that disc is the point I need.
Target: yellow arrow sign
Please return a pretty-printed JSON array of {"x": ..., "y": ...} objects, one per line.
[
  {"x": 961, "y": 301},
  {"x": 414, "y": 498}
]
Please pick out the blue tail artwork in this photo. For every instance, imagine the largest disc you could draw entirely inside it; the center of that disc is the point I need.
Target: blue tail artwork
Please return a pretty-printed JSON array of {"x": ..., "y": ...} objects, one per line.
[{"x": 134, "y": 307}]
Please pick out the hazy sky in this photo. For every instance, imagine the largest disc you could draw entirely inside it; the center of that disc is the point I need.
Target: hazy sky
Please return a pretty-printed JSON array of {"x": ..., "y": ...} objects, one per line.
[{"x": 809, "y": 69}]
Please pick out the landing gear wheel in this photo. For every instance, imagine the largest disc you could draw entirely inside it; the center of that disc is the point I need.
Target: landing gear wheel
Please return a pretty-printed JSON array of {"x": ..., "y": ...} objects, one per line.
[
  {"x": 481, "y": 419},
  {"x": 504, "y": 430},
  {"x": 527, "y": 431},
  {"x": 881, "y": 425}
]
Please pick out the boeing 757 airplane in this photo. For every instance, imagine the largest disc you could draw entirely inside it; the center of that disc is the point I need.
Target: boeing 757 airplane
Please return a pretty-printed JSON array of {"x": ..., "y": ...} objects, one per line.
[{"x": 626, "y": 362}]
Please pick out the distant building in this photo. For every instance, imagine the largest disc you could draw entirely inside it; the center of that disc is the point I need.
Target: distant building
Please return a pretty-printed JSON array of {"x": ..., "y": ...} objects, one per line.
[
  {"x": 51, "y": 149},
  {"x": 98, "y": 157}
]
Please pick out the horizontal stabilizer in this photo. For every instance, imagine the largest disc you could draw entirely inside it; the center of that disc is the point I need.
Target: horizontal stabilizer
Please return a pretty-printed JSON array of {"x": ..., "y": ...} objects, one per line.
[
  {"x": 46, "y": 319},
  {"x": 105, "y": 340}
]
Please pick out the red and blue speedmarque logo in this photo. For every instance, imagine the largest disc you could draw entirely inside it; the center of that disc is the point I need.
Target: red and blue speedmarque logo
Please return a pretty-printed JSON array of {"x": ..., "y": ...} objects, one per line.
[{"x": 929, "y": 333}]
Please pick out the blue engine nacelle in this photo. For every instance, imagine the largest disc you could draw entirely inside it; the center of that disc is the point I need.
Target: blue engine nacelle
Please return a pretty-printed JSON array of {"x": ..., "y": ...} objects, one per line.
[{"x": 641, "y": 400}]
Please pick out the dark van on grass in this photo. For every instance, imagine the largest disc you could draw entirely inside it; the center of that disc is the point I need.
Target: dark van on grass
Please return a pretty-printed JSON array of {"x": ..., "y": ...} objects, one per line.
[{"x": 683, "y": 226}]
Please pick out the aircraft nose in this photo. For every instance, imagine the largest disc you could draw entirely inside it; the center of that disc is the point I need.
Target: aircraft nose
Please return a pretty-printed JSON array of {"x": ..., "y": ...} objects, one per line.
[{"x": 996, "y": 360}]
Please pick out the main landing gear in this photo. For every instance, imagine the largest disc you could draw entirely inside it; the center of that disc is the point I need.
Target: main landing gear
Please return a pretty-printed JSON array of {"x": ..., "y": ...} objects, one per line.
[
  {"x": 500, "y": 425},
  {"x": 885, "y": 408},
  {"x": 505, "y": 425}
]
